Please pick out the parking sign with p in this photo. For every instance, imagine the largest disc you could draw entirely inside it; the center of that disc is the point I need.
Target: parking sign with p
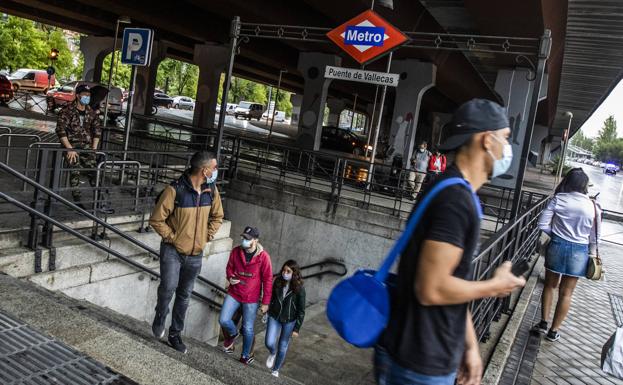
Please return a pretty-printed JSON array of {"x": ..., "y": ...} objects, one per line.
[{"x": 136, "y": 47}]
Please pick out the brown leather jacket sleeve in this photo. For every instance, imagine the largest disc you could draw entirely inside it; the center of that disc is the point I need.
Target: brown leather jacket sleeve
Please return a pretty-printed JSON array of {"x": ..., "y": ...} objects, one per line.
[
  {"x": 216, "y": 216},
  {"x": 164, "y": 207}
]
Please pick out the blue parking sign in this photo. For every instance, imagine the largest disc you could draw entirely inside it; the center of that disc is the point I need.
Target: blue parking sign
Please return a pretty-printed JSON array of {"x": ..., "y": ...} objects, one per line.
[{"x": 136, "y": 47}]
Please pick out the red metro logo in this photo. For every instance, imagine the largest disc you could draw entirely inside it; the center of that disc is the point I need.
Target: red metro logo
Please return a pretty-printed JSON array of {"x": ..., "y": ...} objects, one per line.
[{"x": 367, "y": 36}]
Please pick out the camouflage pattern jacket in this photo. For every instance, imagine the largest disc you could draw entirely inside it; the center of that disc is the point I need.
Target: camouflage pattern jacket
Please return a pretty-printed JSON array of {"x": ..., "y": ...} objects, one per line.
[{"x": 68, "y": 125}]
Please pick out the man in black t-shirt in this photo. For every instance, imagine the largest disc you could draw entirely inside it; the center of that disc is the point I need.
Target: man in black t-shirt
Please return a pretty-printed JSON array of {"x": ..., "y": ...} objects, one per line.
[{"x": 430, "y": 338}]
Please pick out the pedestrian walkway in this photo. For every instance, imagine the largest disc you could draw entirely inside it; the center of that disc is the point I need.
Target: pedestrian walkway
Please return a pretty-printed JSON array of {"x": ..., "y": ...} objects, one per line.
[{"x": 594, "y": 315}]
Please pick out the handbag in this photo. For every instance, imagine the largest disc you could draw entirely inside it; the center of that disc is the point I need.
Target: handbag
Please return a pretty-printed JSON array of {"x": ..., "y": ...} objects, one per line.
[
  {"x": 595, "y": 267},
  {"x": 359, "y": 306}
]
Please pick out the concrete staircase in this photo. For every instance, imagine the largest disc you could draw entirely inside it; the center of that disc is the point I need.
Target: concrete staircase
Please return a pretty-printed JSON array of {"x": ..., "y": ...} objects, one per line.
[{"x": 86, "y": 272}]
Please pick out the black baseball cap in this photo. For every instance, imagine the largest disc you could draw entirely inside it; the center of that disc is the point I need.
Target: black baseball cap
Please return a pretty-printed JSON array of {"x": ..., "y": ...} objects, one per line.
[
  {"x": 472, "y": 117},
  {"x": 82, "y": 88},
  {"x": 250, "y": 233}
]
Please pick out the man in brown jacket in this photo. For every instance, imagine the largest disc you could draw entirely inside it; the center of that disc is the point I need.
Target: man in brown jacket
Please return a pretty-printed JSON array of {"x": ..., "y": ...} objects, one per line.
[{"x": 187, "y": 215}]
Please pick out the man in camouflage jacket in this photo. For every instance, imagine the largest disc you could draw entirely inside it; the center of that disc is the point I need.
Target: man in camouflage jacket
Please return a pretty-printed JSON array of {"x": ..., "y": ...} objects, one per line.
[{"x": 79, "y": 128}]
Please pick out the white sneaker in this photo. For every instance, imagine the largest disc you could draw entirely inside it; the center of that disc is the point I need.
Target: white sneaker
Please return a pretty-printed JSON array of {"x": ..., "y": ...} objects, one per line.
[
  {"x": 275, "y": 373},
  {"x": 270, "y": 362}
]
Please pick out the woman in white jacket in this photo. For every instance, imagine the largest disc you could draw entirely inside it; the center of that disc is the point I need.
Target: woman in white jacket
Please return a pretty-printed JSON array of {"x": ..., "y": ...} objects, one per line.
[{"x": 572, "y": 220}]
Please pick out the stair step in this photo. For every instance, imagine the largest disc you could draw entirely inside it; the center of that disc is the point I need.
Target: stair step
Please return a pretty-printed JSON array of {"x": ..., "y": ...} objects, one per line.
[{"x": 124, "y": 344}]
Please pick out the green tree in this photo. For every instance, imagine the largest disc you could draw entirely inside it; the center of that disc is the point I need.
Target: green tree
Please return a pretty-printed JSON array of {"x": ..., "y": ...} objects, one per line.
[
  {"x": 182, "y": 78},
  {"x": 608, "y": 132},
  {"x": 582, "y": 141},
  {"x": 121, "y": 74}
]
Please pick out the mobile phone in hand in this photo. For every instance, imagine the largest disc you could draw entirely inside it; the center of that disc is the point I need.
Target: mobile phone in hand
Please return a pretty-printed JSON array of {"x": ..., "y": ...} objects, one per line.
[{"x": 520, "y": 267}]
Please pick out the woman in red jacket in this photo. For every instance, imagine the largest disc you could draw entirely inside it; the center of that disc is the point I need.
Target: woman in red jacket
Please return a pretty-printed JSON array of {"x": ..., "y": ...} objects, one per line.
[
  {"x": 437, "y": 163},
  {"x": 250, "y": 275}
]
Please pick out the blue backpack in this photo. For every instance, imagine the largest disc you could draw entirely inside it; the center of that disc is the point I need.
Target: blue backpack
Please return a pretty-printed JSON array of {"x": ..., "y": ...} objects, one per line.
[{"x": 358, "y": 307}]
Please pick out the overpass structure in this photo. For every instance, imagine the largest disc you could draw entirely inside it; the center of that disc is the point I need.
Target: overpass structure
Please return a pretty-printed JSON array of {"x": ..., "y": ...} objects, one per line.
[{"x": 582, "y": 67}]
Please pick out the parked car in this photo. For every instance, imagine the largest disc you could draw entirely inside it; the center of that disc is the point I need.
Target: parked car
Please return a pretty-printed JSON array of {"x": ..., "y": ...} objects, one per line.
[
  {"x": 162, "y": 100},
  {"x": 596, "y": 163},
  {"x": 610, "y": 169},
  {"x": 280, "y": 116},
  {"x": 31, "y": 80},
  {"x": 249, "y": 110},
  {"x": 338, "y": 139},
  {"x": 183, "y": 103},
  {"x": 58, "y": 97},
  {"x": 231, "y": 108},
  {"x": 6, "y": 89},
  {"x": 602, "y": 164}
]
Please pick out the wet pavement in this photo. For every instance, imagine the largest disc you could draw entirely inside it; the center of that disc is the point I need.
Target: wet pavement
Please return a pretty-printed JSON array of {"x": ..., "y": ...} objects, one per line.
[{"x": 610, "y": 187}]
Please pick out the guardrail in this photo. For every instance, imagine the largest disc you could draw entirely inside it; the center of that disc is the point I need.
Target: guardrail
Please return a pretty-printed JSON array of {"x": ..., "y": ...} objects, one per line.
[{"x": 513, "y": 242}]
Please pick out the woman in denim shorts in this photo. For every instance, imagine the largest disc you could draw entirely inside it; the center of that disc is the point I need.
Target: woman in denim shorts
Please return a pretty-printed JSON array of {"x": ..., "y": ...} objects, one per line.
[{"x": 569, "y": 220}]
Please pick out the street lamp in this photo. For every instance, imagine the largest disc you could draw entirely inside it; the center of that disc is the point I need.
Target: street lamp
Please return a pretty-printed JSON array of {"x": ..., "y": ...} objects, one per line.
[
  {"x": 564, "y": 145},
  {"x": 270, "y": 133},
  {"x": 120, "y": 20}
]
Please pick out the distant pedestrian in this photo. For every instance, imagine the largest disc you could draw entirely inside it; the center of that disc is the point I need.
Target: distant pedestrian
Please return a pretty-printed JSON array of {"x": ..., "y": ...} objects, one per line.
[
  {"x": 430, "y": 337},
  {"x": 419, "y": 167},
  {"x": 187, "y": 215},
  {"x": 79, "y": 128},
  {"x": 250, "y": 276},
  {"x": 285, "y": 314},
  {"x": 572, "y": 220},
  {"x": 436, "y": 165}
]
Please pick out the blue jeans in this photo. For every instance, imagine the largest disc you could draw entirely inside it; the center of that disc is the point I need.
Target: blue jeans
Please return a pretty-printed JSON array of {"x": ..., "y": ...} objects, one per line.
[
  {"x": 177, "y": 275},
  {"x": 283, "y": 332},
  {"x": 567, "y": 258},
  {"x": 249, "y": 310},
  {"x": 387, "y": 372}
]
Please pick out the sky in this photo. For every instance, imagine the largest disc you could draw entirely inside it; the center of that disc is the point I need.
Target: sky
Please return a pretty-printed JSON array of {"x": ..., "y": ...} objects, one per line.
[{"x": 613, "y": 105}]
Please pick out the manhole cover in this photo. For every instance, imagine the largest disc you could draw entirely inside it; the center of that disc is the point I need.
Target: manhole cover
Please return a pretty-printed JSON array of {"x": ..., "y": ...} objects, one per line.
[{"x": 29, "y": 357}]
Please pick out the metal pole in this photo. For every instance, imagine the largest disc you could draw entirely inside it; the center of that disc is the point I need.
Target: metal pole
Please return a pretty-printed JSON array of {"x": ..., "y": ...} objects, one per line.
[
  {"x": 128, "y": 118},
  {"x": 270, "y": 99},
  {"x": 378, "y": 124},
  {"x": 376, "y": 93},
  {"x": 544, "y": 50},
  {"x": 563, "y": 152},
  {"x": 235, "y": 30},
  {"x": 352, "y": 118},
  {"x": 272, "y": 121},
  {"x": 112, "y": 62}
]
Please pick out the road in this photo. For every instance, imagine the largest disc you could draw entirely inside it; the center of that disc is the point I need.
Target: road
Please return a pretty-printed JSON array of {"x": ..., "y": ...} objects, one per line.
[{"x": 609, "y": 187}]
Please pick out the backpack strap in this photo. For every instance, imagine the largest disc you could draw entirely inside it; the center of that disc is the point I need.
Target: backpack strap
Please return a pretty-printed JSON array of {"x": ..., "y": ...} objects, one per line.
[{"x": 403, "y": 241}]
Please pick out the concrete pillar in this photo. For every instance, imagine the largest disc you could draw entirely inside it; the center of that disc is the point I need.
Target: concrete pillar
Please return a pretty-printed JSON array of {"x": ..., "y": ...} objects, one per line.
[
  {"x": 336, "y": 106},
  {"x": 312, "y": 65},
  {"x": 94, "y": 49},
  {"x": 146, "y": 80},
  {"x": 297, "y": 101},
  {"x": 416, "y": 78},
  {"x": 539, "y": 136},
  {"x": 515, "y": 87},
  {"x": 212, "y": 61}
]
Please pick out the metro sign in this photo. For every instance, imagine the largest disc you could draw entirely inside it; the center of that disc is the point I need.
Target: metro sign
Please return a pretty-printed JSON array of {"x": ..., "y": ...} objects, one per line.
[{"x": 367, "y": 36}]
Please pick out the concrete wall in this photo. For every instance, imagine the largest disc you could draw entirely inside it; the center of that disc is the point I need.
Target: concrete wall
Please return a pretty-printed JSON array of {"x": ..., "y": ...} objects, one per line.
[{"x": 294, "y": 226}]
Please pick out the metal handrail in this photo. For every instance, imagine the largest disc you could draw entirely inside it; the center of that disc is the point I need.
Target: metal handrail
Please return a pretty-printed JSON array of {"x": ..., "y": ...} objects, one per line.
[
  {"x": 84, "y": 238},
  {"x": 328, "y": 261},
  {"x": 97, "y": 220}
]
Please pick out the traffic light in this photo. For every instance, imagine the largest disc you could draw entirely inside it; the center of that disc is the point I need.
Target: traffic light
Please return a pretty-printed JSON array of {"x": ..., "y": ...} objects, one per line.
[{"x": 53, "y": 54}]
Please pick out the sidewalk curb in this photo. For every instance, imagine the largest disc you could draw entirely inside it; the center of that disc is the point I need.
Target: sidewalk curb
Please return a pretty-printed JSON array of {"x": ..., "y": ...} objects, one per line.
[{"x": 494, "y": 370}]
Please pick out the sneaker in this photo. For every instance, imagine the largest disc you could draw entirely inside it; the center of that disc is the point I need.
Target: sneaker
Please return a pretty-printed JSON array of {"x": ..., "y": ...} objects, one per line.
[
  {"x": 228, "y": 344},
  {"x": 157, "y": 327},
  {"x": 275, "y": 373},
  {"x": 177, "y": 344},
  {"x": 552, "y": 335},
  {"x": 247, "y": 360},
  {"x": 270, "y": 362},
  {"x": 540, "y": 328}
]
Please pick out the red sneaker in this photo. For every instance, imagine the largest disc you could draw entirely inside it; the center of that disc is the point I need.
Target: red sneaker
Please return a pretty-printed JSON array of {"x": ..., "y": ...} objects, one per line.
[
  {"x": 247, "y": 360},
  {"x": 228, "y": 344}
]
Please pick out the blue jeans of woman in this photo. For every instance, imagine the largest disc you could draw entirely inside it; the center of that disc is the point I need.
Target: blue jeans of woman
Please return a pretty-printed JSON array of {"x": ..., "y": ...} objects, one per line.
[
  {"x": 277, "y": 340},
  {"x": 388, "y": 372},
  {"x": 249, "y": 311}
]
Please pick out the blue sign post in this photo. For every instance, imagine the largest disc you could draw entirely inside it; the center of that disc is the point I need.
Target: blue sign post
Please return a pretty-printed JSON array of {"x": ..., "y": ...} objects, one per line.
[
  {"x": 136, "y": 47},
  {"x": 136, "y": 51}
]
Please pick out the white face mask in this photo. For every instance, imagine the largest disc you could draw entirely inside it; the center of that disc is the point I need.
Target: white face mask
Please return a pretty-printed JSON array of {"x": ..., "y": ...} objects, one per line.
[
  {"x": 500, "y": 166},
  {"x": 212, "y": 179},
  {"x": 246, "y": 243}
]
